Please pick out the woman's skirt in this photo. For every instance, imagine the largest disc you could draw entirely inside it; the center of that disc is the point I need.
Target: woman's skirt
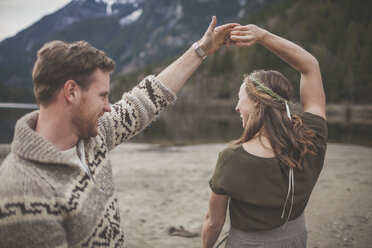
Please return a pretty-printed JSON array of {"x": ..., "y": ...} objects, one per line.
[{"x": 293, "y": 235}]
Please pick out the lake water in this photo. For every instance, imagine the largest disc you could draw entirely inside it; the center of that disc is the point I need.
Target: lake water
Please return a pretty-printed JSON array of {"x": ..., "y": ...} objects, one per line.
[{"x": 177, "y": 128}]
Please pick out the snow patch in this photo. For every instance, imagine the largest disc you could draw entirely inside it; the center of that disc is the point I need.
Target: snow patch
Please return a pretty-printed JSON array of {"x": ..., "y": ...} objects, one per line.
[
  {"x": 129, "y": 19},
  {"x": 243, "y": 3},
  {"x": 111, "y": 2}
]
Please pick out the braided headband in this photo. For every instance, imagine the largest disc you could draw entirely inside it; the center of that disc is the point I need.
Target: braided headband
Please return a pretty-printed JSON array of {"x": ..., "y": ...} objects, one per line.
[{"x": 264, "y": 89}]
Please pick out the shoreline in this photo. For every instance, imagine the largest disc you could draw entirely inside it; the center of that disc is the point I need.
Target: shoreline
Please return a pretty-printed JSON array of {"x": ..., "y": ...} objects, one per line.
[{"x": 164, "y": 145}]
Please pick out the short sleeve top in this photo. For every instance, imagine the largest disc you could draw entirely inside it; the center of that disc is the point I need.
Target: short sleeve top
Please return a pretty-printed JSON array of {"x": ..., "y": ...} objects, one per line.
[{"x": 258, "y": 186}]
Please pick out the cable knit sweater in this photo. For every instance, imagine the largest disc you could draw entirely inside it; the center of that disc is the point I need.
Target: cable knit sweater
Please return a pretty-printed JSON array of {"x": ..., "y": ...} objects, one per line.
[{"x": 47, "y": 201}]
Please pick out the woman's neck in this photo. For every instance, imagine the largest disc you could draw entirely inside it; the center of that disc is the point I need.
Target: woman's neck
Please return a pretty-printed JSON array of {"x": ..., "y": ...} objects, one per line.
[{"x": 259, "y": 145}]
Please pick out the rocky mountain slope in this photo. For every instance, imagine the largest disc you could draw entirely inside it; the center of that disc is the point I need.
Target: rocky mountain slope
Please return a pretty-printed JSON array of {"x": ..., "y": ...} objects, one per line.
[{"x": 134, "y": 33}]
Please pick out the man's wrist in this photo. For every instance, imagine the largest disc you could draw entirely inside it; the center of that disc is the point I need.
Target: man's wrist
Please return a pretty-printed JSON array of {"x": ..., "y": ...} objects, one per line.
[{"x": 199, "y": 50}]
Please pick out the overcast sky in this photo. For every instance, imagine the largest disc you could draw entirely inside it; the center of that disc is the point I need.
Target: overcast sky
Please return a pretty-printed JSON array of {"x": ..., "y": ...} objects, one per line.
[{"x": 16, "y": 15}]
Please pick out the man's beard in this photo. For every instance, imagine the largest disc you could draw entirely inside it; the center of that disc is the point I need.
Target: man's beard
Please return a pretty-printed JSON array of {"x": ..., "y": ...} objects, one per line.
[{"x": 87, "y": 127}]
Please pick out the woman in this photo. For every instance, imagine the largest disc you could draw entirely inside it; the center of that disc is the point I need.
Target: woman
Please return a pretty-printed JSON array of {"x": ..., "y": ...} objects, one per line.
[{"x": 270, "y": 171}]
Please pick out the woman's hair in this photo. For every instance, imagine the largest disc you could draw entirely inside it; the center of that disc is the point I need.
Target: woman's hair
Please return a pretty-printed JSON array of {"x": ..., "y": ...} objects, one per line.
[{"x": 290, "y": 140}]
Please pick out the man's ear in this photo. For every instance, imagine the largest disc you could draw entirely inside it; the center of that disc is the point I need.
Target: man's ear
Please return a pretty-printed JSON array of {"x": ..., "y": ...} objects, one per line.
[{"x": 71, "y": 90}]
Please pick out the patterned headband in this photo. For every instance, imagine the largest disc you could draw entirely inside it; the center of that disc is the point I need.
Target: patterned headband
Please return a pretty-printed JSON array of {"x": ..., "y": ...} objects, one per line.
[{"x": 264, "y": 89}]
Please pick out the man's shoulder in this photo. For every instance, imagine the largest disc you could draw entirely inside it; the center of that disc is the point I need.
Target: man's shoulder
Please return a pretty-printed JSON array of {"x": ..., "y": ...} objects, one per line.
[
  {"x": 28, "y": 188},
  {"x": 6, "y": 167},
  {"x": 20, "y": 177}
]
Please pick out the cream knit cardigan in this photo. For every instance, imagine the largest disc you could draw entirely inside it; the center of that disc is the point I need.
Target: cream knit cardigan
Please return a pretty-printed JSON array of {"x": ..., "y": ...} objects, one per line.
[{"x": 47, "y": 201}]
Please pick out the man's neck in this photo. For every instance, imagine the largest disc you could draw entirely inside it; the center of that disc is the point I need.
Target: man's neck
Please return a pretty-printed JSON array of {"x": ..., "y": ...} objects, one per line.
[{"x": 54, "y": 125}]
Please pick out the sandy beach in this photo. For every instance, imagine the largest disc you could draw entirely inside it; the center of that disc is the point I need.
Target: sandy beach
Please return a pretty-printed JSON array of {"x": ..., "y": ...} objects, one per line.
[{"x": 160, "y": 187}]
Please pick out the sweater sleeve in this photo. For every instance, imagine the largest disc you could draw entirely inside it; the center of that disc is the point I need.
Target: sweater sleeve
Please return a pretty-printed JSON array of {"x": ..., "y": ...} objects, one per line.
[{"x": 135, "y": 111}]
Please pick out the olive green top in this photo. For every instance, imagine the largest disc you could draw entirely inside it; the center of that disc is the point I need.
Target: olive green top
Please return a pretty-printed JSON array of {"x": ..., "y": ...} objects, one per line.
[{"x": 258, "y": 186}]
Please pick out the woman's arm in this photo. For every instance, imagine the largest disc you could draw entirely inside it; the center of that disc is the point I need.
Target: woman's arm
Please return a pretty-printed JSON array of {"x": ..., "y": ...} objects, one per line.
[
  {"x": 215, "y": 219},
  {"x": 311, "y": 85}
]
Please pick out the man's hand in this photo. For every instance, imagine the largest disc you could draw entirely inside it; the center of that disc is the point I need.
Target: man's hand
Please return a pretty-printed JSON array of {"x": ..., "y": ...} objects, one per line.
[{"x": 215, "y": 37}]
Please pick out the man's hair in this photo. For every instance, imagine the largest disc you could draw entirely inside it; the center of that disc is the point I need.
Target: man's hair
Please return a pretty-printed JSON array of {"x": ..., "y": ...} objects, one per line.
[{"x": 58, "y": 62}]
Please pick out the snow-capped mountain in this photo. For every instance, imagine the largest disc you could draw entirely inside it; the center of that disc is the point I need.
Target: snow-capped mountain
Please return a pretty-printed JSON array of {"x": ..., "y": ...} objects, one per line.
[{"x": 134, "y": 33}]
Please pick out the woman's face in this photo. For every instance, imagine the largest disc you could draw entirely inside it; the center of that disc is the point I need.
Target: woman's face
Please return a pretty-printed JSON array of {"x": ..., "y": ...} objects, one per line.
[{"x": 245, "y": 105}]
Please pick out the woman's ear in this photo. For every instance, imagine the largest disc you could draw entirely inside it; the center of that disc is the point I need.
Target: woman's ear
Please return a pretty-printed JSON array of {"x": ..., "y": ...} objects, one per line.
[
  {"x": 71, "y": 91},
  {"x": 256, "y": 103}
]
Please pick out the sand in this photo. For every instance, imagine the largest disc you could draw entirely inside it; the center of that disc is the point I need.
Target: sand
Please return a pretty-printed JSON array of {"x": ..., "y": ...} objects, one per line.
[{"x": 160, "y": 187}]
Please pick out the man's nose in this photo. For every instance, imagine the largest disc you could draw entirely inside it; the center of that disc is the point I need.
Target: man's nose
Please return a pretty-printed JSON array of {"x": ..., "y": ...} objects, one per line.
[{"x": 107, "y": 107}]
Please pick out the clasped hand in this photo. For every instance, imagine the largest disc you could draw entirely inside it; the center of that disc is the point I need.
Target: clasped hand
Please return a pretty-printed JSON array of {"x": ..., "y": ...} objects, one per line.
[{"x": 231, "y": 33}]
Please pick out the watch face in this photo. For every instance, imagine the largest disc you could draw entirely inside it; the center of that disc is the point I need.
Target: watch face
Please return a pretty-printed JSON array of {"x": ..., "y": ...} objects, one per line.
[{"x": 199, "y": 51}]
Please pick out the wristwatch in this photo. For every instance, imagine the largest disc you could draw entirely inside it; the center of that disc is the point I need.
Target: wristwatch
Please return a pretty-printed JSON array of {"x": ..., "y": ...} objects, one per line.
[{"x": 199, "y": 50}]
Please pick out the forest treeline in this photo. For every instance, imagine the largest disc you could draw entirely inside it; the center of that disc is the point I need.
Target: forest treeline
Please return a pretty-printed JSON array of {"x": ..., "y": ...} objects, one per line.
[{"x": 337, "y": 33}]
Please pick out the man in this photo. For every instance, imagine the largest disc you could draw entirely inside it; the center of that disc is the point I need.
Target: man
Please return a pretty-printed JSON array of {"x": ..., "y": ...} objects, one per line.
[{"x": 56, "y": 185}]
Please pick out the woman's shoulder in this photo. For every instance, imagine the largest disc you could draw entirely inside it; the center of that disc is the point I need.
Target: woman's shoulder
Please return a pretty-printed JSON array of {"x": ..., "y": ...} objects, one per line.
[
  {"x": 229, "y": 152},
  {"x": 312, "y": 118},
  {"x": 316, "y": 123},
  {"x": 230, "y": 149}
]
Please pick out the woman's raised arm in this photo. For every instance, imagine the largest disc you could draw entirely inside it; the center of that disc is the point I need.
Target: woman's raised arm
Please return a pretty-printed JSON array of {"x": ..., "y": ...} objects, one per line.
[{"x": 311, "y": 85}]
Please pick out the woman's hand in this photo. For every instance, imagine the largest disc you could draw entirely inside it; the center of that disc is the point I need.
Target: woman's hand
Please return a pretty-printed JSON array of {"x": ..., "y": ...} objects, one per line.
[{"x": 247, "y": 36}]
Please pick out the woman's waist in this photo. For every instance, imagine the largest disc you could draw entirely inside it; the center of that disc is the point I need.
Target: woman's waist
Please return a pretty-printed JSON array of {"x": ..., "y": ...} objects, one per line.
[{"x": 284, "y": 231}]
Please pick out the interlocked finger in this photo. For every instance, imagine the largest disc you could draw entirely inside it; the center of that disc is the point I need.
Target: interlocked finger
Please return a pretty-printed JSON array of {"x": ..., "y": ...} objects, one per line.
[
  {"x": 245, "y": 44},
  {"x": 238, "y": 38}
]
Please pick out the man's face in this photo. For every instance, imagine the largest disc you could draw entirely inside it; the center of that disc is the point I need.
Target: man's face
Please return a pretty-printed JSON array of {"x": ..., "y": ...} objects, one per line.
[{"x": 94, "y": 102}]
